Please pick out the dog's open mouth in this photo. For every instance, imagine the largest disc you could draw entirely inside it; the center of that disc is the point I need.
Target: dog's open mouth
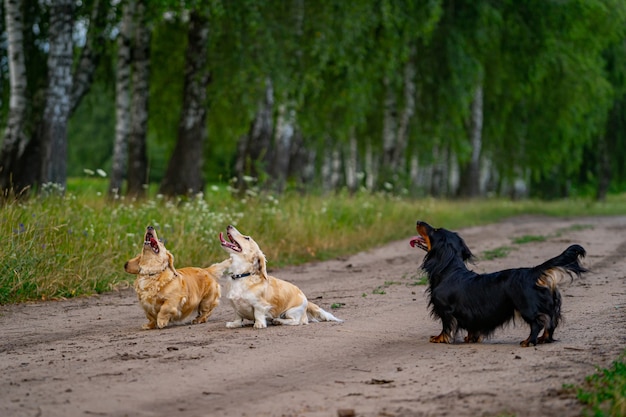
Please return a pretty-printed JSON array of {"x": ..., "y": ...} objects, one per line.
[
  {"x": 420, "y": 242},
  {"x": 231, "y": 243},
  {"x": 151, "y": 240}
]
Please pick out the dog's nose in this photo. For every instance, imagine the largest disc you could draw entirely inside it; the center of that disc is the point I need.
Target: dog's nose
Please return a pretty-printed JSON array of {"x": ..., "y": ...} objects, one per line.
[{"x": 150, "y": 228}]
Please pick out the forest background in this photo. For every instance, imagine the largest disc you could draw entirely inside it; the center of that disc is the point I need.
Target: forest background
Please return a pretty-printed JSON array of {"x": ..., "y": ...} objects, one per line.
[{"x": 423, "y": 98}]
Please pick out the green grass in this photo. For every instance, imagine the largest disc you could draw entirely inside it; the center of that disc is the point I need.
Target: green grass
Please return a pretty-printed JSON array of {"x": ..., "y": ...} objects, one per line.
[
  {"x": 74, "y": 245},
  {"x": 604, "y": 393},
  {"x": 529, "y": 239},
  {"x": 520, "y": 240},
  {"x": 500, "y": 252}
]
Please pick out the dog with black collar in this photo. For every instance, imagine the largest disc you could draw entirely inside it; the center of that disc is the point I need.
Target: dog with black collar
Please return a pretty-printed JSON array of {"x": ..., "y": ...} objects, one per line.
[{"x": 260, "y": 297}]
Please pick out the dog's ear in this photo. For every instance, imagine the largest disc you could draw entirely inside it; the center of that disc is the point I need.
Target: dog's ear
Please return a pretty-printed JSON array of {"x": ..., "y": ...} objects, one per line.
[
  {"x": 466, "y": 253},
  {"x": 132, "y": 265},
  {"x": 261, "y": 263},
  {"x": 170, "y": 262}
]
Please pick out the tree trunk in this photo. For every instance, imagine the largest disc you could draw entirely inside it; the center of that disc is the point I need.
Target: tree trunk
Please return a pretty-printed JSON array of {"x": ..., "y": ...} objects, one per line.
[
  {"x": 253, "y": 148},
  {"x": 184, "y": 171},
  {"x": 439, "y": 172},
  {"x": 285, "y": 131},
  {"x": 14, "y": 135},
  {"x": 57, "y": 108},
  {"x": 604, "y": 168},
  {"x": 302, "y": 165},
  {"x": 90, "y": 54},
  {"x": 138, "y": 160},
  {"x": 399, "y": 157},
  {"x": 371, "y": 167},
  {"x": 351, "y": 162},
  {"x": 416, "y": 182},
  {"x": 331, "y": 167},
  {"x": 284, "y": 149},
  {"x": 470, "y": 173},
  {"x": 122, "y": 100},
  {"x": 390, "y": 115}
]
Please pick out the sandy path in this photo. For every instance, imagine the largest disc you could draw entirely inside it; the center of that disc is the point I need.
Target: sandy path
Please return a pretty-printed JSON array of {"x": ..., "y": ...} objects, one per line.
[{"x": 89, "y": 357}]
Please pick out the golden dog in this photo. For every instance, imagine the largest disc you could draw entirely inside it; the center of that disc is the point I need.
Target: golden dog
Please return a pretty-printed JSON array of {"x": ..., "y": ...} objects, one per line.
[
  {"x": 257, "y": 296},
  {"x": 169, "y": 294}
]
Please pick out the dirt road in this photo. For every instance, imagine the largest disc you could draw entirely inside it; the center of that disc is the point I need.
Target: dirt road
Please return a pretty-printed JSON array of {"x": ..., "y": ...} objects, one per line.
[{"x": 89, "y": 357}]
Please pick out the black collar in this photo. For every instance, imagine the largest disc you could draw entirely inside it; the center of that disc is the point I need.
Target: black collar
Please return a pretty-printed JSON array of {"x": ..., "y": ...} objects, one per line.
[{"x": 237, "y": 276}]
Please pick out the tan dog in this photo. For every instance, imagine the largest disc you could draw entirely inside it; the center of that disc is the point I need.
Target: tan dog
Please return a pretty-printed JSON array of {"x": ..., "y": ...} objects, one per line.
[
  {"x": 257, "y": 296},
  {"x": 169, "y": 294}
]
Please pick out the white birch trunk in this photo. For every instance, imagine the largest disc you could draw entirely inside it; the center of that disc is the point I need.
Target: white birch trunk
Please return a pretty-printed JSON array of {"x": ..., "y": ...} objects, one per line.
[
  {"x": 389, "y": 127},
  {"x": 122, "y": 100},
  {"x": 14, "y": 136},
  {"x": 335, "y": 175},
  {"x": 140, "y": 94},
  {"x": 58, "y": 106},
  {"x": 285, "y": 131},
  {"x": 371, "y": 167},
  {"x": 471, "y": 180},
  {"x": 477, "y": 140},
  {"x": 399, "y": 157},
  {"x": 350, "y": 163}
]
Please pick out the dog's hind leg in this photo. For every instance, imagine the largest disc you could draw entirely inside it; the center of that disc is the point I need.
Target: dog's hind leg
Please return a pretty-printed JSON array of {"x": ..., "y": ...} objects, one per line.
[
  {"x": 541, "y": 321},
  {"x": 236, "y": 323},
  {"x": 150, "y": 324},
  {"x": 473, "y": 337},
  {"x": 555, "y": 317},
  {"x": 548, "y": 333},
  {"x": 206, "y": 307},
  {"x": 293, "y": 317}
]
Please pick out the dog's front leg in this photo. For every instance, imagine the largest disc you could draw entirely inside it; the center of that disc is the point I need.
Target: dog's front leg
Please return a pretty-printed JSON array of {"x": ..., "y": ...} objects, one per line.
[
  {"x": 447, "y": 322},
  {"x": 260, "y": 322}
]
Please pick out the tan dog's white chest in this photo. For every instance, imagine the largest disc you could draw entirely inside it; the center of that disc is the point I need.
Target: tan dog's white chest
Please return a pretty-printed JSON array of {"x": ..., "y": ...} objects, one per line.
[{"x": 242, "y": 299}]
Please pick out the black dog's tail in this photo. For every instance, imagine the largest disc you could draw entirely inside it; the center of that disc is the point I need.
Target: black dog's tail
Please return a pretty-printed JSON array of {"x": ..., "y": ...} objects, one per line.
[{"x": 567, "y": 263}]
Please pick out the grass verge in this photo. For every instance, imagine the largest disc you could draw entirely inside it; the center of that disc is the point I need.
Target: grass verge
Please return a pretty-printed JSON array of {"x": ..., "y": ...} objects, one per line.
[
  {"x": 65, "y": 246},
  {"x": 604, "y": 393}
]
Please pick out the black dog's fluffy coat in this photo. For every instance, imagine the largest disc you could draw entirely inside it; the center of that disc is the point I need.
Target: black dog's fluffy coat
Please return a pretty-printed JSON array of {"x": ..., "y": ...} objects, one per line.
[{"x": 481, "y": 303}]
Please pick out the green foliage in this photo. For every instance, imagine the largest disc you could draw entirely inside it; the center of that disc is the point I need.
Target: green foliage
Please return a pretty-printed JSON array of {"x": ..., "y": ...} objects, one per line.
[
  {"x": 604, "y": 393},
  {"x": 552, "y": 74}
]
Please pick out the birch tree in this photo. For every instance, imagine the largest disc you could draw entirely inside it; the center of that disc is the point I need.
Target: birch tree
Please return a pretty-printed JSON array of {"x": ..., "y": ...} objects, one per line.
[
  {"x": 255, "y": 144},
  {"x": 137, "y": 179},
  {"x": 90, "y": 54},
  {"x": 470, "y": 172},
  {"x": 14, "y": 135},
  {"x": 53, "y": 127},
  {"x": 184, "y": 172},
  {"x": 122, "y": 99}
]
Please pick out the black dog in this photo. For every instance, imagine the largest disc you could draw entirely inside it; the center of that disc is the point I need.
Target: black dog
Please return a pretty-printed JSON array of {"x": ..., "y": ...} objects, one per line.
[{"x": 481, "y": 303}]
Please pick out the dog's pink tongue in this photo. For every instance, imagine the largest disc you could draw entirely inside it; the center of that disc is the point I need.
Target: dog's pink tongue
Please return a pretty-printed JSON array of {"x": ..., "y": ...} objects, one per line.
[
  {"x": 221, "y": 237},
  {"x": 154, "y": 243},
  {"x": 414, "y": 241}
]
